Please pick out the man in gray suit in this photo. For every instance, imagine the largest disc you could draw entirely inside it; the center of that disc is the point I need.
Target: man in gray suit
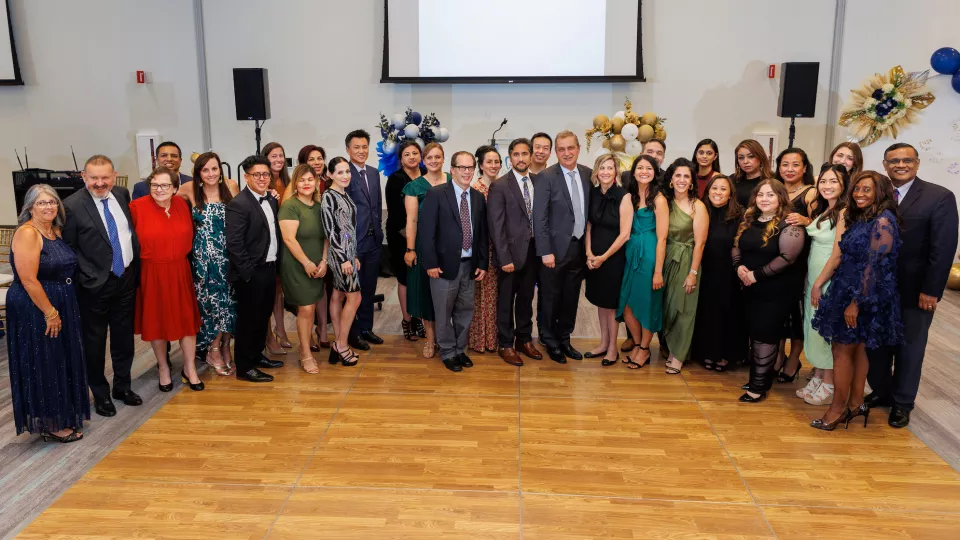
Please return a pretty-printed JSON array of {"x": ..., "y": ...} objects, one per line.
[
  {"x": 559, "y": 221},
  {"x": 510, "y": 219}
]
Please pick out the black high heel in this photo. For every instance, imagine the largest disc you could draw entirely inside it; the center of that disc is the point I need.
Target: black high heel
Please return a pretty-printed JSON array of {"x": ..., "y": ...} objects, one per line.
[
  {"x": 72, "y": 437},
  {"x": 862, "y": 410},
  {"x": 747, "y": 398},
  {"x": 783, "y": 378},
  {"x": 334, "y": 355},
  {"x": 830, "y": 426},
  {"x": 195, "y": 387},
  {"x": 409, "y": 332},
  {"x": 418, "y": 327},
  {"x": 606, "y": 362},
  {"x": 634, "y": 365},
  {"x": 347, "y": 357},
  {"x": 160, "y": 385}
]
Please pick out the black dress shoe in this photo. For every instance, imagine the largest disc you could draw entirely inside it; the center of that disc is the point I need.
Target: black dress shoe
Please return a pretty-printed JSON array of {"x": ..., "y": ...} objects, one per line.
[
  {"x": 570, "y": 352},
  {"x": 105, "y": 407},
  {"x": 899, "y": 417},
  {"x": 266, "y": 363},
  {"x": 128, "y": 397},
  {"x": 370, "y": 337},
  {"x": 557, "y": 355},
  {"x": 874, "y": 400},
  {"x": 747, "y": 398},
  {"x": 464, "y": 360},
  {"x": 254, "y": 375},
  {"x": 453, "y": 364},
  {"x": 358, "y": 343}
]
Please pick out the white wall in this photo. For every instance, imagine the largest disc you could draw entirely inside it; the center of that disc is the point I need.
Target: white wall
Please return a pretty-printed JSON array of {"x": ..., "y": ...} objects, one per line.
[{"x": 78, "y": 61}]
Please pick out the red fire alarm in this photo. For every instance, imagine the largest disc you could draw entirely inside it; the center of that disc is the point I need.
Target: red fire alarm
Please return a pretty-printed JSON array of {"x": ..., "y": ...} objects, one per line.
[
  {"x": 141, "y": 77},
  {"x": 772, "y": 71}
]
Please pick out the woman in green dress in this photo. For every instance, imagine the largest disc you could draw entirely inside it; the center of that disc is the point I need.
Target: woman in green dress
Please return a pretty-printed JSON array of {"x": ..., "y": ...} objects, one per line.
[
  {"x": 641, "y": 294},
  {"x": 686, "y": 237},
  {"x": 419, "y": 302},
  {"x": 303, "y": 262}
]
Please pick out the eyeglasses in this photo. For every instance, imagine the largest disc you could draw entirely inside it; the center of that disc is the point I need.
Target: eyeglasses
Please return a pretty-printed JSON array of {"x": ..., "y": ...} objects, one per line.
[
  {"x": 44, "y": 204},
  {"x": 897, "y": 161},
  {"x": 161, "y": 187},
  {"x": 259, "y": 176},
  {"x": 465, "y": 168}
]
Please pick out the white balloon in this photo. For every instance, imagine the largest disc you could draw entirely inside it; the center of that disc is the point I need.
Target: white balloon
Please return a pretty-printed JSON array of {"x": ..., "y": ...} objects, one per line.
[
  {"x": 621, "y": 115},
  {"x": 411, "y": 131},
  {"x": 630, "y": 132},
  {"x": 420, "y": 142},
  {"x": 399, "y": 120},
  {"x": 443, "y": 134},
  {"x": 389, "y": 147},
  {"x": 600, "y": 150},
  {"x": 634, "y": 147}
]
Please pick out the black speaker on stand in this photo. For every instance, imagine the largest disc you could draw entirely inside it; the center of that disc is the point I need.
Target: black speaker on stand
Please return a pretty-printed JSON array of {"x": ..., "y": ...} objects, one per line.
[
  {"x": 798, "y": 92},
  {"x": 251, "y": 91}
]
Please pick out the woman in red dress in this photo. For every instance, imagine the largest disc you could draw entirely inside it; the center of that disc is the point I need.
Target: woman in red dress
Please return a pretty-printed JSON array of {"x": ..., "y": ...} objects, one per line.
[{"x": 166, "y": 300}]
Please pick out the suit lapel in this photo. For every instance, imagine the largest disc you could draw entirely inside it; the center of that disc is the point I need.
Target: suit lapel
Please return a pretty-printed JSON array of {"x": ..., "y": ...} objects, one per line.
[
  {"x": 452, "y": 201},
  {"x": 517, "y": 191},
  {"x": 915, "y": 190},
  {"x": 566, "y": 188},
  {"x": 257, "y": 211},
  {"x": 91, "y": 207}
]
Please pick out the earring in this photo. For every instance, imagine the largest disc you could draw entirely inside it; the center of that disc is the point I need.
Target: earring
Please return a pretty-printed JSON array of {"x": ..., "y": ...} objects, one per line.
[
  {"x": 671, "y": 184},
  {"x": 221, "y": 180}
]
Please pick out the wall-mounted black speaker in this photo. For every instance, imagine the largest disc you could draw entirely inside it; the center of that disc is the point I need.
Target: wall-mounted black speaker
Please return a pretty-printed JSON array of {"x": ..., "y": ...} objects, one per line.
[
  {"x": 251, "y": 91},
  {"x": 798, "y": 89}
]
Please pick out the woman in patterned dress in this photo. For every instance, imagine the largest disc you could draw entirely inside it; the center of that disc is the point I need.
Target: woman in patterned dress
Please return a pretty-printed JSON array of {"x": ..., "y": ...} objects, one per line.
[
  {"x": 208, "y": 194},
  {"x": 339, "y": 215},
  {"x": 483, "y": 327}
]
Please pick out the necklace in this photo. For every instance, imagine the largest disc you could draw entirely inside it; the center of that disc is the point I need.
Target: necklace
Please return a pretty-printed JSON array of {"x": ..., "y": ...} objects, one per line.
[
  {"x": 764, "y": 219},
  {"x": 48, "y": 234}
]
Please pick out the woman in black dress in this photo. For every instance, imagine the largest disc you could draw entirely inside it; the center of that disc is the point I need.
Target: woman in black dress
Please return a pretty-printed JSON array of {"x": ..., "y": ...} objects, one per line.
[
  {"x": 409, "y": 152},
  {"x": 763, "y": 251},
  {"x": 752, "y": 166},
  {"x": 716, "y": 334},
  {"x": 608, "y": 227}
]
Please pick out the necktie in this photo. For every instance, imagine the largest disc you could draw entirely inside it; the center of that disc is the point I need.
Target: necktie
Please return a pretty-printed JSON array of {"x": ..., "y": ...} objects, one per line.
[
  {"x": 577, "y": 210},
  {"x": 465, "y": 222},
  {"x": 526, "y": 198},
  {"x": 896, "y": 195},
  {"x": 116, "y": 266},
  {"x": 363, "y": 182}
]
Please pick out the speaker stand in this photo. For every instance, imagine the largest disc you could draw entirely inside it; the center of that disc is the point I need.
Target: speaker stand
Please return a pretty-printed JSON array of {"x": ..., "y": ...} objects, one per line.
[
  {"x": 793, "y": 134},
  {"x": 257, "y": 125}
]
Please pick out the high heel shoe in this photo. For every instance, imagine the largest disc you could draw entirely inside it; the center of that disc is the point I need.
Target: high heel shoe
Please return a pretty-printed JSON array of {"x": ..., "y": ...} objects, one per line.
[
  {"x": 418, "y": 327},
  {"x": 195, "y": 387},
  {"x": 285, "y": 343},
  {"x": 222, "y": 369},
  {"x": 72, "y": 437},
  {"x": 346, "y": 357},
  {"x": 820, "y": 424},
  {"x": 606, "y": 362},
  {"x": 409, "y": 332},
  {"x": 747, "y": 398},
  {"x": 862, "y": 410},
  {"x": 631, "y": 364},
  {"x": 782, "y": 377},
  {"x": 275, "y": 352},
  {"x": 160, "y": 385}
]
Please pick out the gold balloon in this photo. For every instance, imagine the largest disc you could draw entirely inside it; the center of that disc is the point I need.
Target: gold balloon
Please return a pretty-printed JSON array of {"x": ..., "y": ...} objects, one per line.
[
  {"x": 599, "y": 119},
  {"x": 617, "y": 143},
  {"x": 606, "y": 143},
  {"x": 953, "y": 282},
  {"x": 193, "y": 157},
  {"x": 617, "y": 124},
  {"x": 648, "y": 118},
  {"x": 645, "y": 133}
]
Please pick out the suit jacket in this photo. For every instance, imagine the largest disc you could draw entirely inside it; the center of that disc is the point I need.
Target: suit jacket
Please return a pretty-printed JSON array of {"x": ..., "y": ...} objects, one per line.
[
  {"x": 441, "y": 238},
  {"x": 929, "y": 234},
  {"x": 85, "y": 233},
  {"x": 510, "y": 230},
  {"x": 141, "y": 189},
  {"x": 248, "y": 234},
  {"x": 553, "y": 210},
  {"x": 369, "y": 209}
]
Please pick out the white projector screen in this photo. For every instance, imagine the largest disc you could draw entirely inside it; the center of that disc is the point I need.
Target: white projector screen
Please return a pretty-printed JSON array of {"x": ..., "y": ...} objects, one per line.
[
  {"x": 9, "y": 68},
  {"x": 509, "y": 41}
]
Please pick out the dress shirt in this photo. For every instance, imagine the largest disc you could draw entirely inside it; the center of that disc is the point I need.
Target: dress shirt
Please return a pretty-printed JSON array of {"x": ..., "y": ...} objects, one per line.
[
  {"x": 268, "y": 214},
  {"x": 458, "y": 191},
  {"x": 365, "y": 176},
  {"x": 903, "y": 190},
  {"x": 123, "y": 226},
  {"x": 579, "y": 187},
  {"x": 529, "y": 183}
]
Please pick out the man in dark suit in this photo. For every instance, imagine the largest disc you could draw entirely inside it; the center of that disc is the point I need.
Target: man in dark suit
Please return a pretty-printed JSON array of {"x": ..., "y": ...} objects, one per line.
[
  {"x": 169, "y": 156},
  {"x": 253, "y": 247},
  {"x": 510, "y": 221},
  {"x": 364, "y": 190},
  {"x": 453, "y": 235},
  {"x": 929, "y": 235},
  {"x": 100, "y": 231},
  {"x": 559, "y": 222}
]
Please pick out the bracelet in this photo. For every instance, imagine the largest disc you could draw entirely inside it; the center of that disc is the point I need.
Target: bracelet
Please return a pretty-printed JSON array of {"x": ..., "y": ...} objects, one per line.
[
  {"x": 694, "y": 272},
  {"x": 411, "y": 250},
  {"x": 53, "y": 314}
]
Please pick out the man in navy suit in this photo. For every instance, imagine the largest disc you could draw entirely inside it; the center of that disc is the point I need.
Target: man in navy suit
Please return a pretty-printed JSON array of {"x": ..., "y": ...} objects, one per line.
[
  {"x": 169, "y": 156},
  {"x": 453, "y": 235},
  {"x": 364, "y": 190},
  {"x": 929, "y": 234}
]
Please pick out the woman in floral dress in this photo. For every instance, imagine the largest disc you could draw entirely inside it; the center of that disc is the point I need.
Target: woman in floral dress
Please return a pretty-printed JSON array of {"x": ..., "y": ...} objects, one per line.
[{"x": 483, "y": 328}]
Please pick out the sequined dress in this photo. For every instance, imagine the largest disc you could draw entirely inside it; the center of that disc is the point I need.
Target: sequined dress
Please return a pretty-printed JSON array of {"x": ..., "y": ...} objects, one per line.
[{"x": 339, "y": 215}]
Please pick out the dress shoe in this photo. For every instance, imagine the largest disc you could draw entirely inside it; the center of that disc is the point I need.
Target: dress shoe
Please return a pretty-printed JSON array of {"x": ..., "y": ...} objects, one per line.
[
  {"x": 464, "y": 360},
  {"x": 899, "y": 417},
  {"x": 874, "y": 400},
  {"x": 358, "y": 343},
  {"x": 128, "y": 397},
  {"x": 510, "y": 356},
  {"x": 557, "y": 355},
  {"x": 453, "y": 364},
  {"x": 530, "y": 350},
  {"x": 570, "y": 352},
  {"x": 104, "y": 407},
  {"x": 254, "y": 375},
  {"x": 370, "y": 337},
  {"x": 264, "y": 362}
]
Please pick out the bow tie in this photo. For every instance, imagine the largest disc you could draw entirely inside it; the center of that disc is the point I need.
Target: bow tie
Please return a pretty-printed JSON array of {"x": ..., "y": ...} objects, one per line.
[{"x": 264, "y": 198}]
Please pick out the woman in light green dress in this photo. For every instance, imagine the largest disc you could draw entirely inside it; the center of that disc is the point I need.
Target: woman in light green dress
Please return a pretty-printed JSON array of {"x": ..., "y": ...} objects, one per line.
[
  {"x": 824, "y": 226},
  {"x": 686, "y": 237}
]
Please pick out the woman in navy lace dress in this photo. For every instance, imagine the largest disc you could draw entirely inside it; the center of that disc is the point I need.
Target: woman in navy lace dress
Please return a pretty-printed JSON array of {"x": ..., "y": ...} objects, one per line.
[
  {"x": 48, "y": 382},
  {"x": 861, "y": 309}
]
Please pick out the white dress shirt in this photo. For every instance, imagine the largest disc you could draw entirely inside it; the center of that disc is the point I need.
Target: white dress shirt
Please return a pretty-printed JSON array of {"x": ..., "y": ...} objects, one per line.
[
  {"x": 458, "y": 191},
  {"x": 529, "y": 183},
  {"x": 268, "y": 214},
  {"x": 365, "y": 176},
  {"x": 578, "y": 185},
  {"x": 903, "y": 190},
  {"x": 123, "y": 226}
]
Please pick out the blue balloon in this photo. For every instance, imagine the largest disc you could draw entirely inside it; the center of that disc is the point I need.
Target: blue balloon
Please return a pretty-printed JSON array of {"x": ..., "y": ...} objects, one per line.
[
  {"x": 945, "y": 60},
  {"x": 955, "y": 82},
  {"x": 416, "y": 117}
]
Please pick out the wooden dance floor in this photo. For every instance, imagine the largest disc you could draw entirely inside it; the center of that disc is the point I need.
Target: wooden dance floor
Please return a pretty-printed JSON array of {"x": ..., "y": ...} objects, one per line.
[{"x": 399, "y": 447}]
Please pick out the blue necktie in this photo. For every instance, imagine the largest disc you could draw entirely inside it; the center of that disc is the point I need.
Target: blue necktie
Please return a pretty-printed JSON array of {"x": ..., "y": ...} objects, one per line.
[{"x": 117, "y": 265}]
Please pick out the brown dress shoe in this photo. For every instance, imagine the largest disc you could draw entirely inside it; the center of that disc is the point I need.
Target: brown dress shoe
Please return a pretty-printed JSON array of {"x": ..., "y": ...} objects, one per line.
[
  {"x": 628, "y": 345},
  {"x": 510, "y": 356},
  {"x": 530, "y": 350}
]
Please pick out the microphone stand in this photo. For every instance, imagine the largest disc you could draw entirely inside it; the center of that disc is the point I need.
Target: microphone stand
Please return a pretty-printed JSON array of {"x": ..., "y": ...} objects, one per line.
[{"x": 493, "y": 137}]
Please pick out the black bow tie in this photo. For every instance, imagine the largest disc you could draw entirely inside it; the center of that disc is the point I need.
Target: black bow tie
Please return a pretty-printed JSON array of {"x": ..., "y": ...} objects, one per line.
[{"x": 264, "y": 198}]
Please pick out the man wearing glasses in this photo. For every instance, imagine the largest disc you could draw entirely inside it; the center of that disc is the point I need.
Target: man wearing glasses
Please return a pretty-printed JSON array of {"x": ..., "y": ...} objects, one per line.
[
  {"x": 169, "y": 156},
  {"x": 453, "y": 235},
  {"x": 929, "y": 234},
  {"x": 253, "y": 247}
]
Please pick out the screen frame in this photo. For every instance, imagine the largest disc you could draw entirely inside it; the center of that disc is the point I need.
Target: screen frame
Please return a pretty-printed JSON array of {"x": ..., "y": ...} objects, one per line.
[
  {"x": 18, "y": 77},
  {"x": 386, "y": 78}
]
